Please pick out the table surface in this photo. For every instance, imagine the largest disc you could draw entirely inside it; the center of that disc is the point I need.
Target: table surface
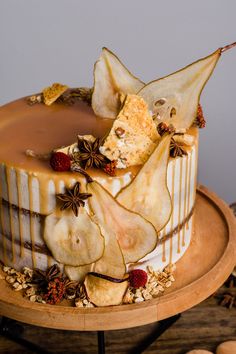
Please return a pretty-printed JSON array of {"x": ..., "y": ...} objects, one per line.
[{"x": 206, "y": 264}]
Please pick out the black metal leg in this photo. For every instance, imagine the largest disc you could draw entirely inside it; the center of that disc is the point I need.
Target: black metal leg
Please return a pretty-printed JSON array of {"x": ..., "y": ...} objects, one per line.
[
  {"x": 161, "y": 327},
  {"x": 101, "y": 342},
  {"x": 13, "y": 331}
]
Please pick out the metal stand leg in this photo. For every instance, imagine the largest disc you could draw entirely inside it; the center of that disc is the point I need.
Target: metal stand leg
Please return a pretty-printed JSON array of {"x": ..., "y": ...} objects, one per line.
[
  {"x": 161, "y": 327},
  {"x": 101, "y": 342},
  {"x": 13, "y": 331}
]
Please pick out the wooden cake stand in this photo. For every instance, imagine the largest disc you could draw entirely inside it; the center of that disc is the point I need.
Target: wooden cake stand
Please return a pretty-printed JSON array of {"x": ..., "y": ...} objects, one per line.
[{"x": 204, "y": 267}]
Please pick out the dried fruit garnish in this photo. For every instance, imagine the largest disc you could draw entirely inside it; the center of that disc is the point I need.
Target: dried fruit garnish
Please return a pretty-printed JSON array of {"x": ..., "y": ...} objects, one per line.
[
  {"x": 89, "y": 154},
  {"x": 55, "y": 291},
  {"x": 164, "y": 128},
  {"x": 200, "y": 120},
  {"x": 110, "y": 168},
  {"x": 60, "y": 162},
  {"x": 176, "y": 149},
  {"x": 73, "y": 199},
  {"x": 138, "y": 278}
]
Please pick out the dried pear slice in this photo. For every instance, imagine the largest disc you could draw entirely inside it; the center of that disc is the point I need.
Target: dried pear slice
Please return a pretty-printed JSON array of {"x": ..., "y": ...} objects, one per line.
[
  {"x": 73, "y": 241},
  {"x": 174, "y": 98},
  {"x": 153, "y": 202},
  {"x": 78, "y": 273},
  {"x": 112, "y": 262},
  {"x": 136, "y": 236},
  {"x": 111, "y": 79},
  {"x": 103, "y": 292}
]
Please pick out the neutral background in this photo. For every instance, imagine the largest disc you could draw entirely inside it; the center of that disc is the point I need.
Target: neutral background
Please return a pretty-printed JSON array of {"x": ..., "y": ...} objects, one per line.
[{"x": 59, "y": 40}]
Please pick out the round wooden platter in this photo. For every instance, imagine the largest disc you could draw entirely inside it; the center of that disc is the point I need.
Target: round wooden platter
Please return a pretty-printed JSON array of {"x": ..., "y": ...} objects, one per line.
[{"x": 206, "y": 264}]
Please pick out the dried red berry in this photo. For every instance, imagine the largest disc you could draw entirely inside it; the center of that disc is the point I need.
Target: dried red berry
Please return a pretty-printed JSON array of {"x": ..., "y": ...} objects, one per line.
[
  {"x": 60, "y": 162},
  {"x": 200, "y": 120},
  {"x": 110, "y": 168},
  {"x": 138, "y": 278},
  {"x": 55, "y": 291}
]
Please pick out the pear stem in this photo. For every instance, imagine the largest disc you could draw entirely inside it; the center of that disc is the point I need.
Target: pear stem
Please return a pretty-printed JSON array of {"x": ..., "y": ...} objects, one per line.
[{"x": 227, "y": 47}]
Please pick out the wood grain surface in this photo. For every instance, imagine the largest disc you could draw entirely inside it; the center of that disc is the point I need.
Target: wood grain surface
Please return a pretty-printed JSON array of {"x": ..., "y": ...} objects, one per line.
[
  {"x": 204, "y": 326},
  {"x": 205, "y": 266}
]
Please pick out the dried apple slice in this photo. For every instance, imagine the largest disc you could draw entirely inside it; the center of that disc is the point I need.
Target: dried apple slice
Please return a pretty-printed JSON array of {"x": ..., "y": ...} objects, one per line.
[
  {"x": 103, "y": 292},
  {"x": 111, "y": 78},
  {"x": 78, "y": 273},
  {"x": 174, "y": 98},
  {"x": 153, "y": 202},
  {"x": 136, "y": 236},
  {"x": 73, "y": 241}
]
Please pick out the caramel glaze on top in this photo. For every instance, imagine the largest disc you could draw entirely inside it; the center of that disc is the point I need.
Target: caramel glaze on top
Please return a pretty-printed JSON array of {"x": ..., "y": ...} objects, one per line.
[{"x": 43, "y": 128}]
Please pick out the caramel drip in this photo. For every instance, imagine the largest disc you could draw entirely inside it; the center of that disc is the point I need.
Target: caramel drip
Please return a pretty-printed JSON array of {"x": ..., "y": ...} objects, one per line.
[
  {"x": 44, "y": 203},
  {"x": 180, "y": 200},
  {"x": 9, "y": 192},
  {"x": 189, "y": 187},
  {"x": 164, "y": 247},
  {"x": 195, "y": 180},
  {"x": 20, "y": 216},
  {"x": 185, "y": 200},
  {"x": 3, "y": 227},
  {"x": 32, "y": 231},
  {"x": 172, "y": 216}
]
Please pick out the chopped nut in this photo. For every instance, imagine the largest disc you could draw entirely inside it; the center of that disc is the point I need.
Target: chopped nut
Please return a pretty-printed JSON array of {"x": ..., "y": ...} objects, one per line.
[
  {"x": 79, "y": 303},
  {"x": 129, "y": 297},
  {"x": 150, "y": 269},
  {"x": 154, "y": 292},
  {"x": 30, "y": 291},
  {"x": 12, "y": 271},
  {"x": 138, "y": 299},
  {"x": 28, "y": 271},
  {"x": 33, "y": 298},
  {"x": 39, "y": 298},
  {"x": 168, "y": 284},
  {"x": 160, "y": 288},
  {"x": 10, "y": 279},
  {"x": 120, "y": 132},
  {"x": 6, "y": 269}
]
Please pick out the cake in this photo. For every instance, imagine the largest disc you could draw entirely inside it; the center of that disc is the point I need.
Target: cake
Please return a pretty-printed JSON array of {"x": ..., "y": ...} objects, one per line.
[{"x": 121, "y": 198}]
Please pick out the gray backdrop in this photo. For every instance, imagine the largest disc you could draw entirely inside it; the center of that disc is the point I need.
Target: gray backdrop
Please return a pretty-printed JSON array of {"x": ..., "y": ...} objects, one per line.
[{"x": 58, "y": 40}]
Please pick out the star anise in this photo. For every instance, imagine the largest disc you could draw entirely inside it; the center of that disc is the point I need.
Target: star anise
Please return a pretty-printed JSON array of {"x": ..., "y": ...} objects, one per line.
[
  {"x": 73, "y": 199},
  {"x": 176, "y": 149},
  {"x": 89, "y": 154},
  {"x": 42, "y": 278},
  {"x": 200, "y": 120}
]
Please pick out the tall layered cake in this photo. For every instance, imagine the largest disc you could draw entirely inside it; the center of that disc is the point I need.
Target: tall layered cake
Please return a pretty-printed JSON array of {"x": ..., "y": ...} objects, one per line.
[{"x": 102, "y": 181}]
